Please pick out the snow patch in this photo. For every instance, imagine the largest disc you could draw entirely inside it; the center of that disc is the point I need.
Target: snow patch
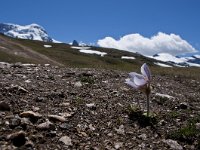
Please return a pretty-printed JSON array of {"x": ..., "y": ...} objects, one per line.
[
  {"x": 47, "y": 46},
  {"x": 127, "y": 57},
  {"x": 80, "y": 47},
  {"x": 55, "y": 41},
  {"x": 93, "y": 52},
  {"x": 162, "y": 65}
]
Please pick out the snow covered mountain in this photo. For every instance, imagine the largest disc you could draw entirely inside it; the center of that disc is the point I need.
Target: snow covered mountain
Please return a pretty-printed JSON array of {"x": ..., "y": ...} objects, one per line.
[
  {"x": 31, "y": 32},
  {"x": 194, "y": 59},
  {"x": 178, "y": 61}
]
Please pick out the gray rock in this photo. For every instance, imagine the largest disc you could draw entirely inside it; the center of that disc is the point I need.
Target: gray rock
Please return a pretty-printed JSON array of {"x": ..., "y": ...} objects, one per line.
[
  {"x": 56, "y": 118},
  {"x": 78, "y": 84},
  {"x": 118, "y": 145},
  {"x": 120, "y": 130},
  {"x": 65, "y": 126},
  {"x": 183, "y": 105},
  {"x": 46, "y": 126},
  {"x": 90, "y": 105},
  {"x": 29, "y": 144},
  {"x": 173, "y": 144},
  {"x": 14, "y": 122},
  {"x": 28, "y": 114},
  {"x": 40, "y": 99},
  {"x": 66, "y": 140},
  {"x": 17, "y": 88},
  {"x": 143, "y": 136},
  {"x": 197, "y": 126}
]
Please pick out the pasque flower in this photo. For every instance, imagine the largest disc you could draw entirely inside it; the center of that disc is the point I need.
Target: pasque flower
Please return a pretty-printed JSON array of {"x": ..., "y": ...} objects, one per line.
[{"x": 141, "y": 82}]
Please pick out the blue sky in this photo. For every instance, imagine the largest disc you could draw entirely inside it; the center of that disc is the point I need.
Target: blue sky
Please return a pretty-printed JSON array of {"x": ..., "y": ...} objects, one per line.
[{"x": 92, "y": 20}]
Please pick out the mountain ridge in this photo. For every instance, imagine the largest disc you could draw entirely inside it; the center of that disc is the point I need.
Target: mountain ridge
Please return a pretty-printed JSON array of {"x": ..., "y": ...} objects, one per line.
[
  {"x": 182, "y": 61},
  {"x": 31, "y": 32}
]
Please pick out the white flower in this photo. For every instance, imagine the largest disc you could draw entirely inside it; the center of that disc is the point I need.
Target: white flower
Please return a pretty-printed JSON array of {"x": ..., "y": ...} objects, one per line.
[{"x": 140, "y": 81}]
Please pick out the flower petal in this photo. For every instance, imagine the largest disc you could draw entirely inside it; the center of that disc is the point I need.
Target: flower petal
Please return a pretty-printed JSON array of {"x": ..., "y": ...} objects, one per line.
[
  {"x": 139, "y": 80},
  {"x": 146, "y": 71},
  {"x": 132, "y": 74},
  {"x": 132, "y": 84}
]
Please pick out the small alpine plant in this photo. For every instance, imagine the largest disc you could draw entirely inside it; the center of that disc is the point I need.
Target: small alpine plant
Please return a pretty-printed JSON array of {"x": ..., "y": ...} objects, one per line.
[{"x": 141, "y": 82}]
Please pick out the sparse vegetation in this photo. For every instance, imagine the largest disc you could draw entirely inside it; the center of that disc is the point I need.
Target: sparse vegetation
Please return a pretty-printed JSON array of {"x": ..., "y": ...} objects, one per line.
[
  {"x": 188, "y": 133},
  {"x": 89, "y": 80},
  {"x": 174, "y": 114},
  {"x": 136, "y": 115}
]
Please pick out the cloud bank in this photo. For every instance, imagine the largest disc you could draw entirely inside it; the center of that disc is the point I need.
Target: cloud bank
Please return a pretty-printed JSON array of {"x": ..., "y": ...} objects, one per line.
[{"x": 162, "y": 42}]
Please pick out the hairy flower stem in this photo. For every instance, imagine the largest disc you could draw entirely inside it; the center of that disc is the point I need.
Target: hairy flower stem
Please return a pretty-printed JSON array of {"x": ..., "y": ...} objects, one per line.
[
  {"x": 147, "y": 92},
  {"x": 148, "y": 105}
]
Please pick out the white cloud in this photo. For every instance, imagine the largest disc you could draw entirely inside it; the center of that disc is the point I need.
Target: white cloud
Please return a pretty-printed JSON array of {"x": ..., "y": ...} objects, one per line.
[{"x": 162, "y": 42}]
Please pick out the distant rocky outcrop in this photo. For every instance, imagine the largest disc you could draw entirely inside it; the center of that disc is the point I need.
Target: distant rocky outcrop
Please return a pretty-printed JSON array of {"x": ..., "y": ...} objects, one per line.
[{"x": 75, "y": 43}]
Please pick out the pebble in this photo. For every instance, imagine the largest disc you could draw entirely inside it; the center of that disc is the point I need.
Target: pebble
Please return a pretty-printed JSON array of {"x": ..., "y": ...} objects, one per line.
[
  {"x": 46, "y": 125},
  {"x": 27, "y": 81},
  {"x": 18, "y": 88},
  {"x": 118, "y": 145},
  {"x": 78, "y": 84},
  {"x": 66, "y": 140},
  {"x": 183, "y": 105},
  {"x": 91, "y": 127},
  {"x": 90, "y": 105},
  {"x": 66, "y": 114},
  {"x": 35, "y": 108},
  {"x": 30, "y": 114},
  {"x": 143, "y": 136},
  {"x": 14, "y": 122},
  {"x": 65, "y": 126},
  {"x": 56, "y": 118},
  {"x": 29, "y": 144},
  {"x": 65, "y": 104},
  {"x": 40, "y": 99},
  {"x": 120, "y": 130},
  {"x": 197, "y": 126}
]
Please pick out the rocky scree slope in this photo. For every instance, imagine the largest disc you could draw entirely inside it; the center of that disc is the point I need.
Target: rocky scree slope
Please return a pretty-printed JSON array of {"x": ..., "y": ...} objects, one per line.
[{"x": 47, "y": 107}]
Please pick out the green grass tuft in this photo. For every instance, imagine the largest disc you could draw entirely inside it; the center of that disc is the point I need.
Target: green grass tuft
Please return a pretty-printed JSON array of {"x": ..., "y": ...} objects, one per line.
[{"x": 187, "y": 134}]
